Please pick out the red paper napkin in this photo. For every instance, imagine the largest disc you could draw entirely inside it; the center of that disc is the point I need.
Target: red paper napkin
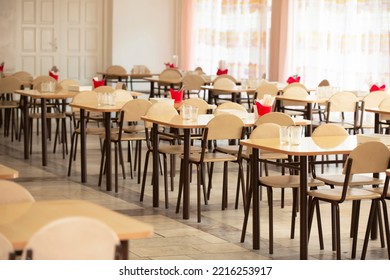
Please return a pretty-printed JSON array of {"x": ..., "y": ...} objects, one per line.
[
  {"x": 262, "y": 110},
  {"x": 97, "y": 83},
  {"x": 176, "y": 95},
  {"x": 169, "y": 65},
  {"x": 54, "y": 75},
  {"x": 222, "y": 71},
  {"x": 293, "y": 79},
  {"x": 2, "y": 67},
  {"x": 375, "y": 88}
]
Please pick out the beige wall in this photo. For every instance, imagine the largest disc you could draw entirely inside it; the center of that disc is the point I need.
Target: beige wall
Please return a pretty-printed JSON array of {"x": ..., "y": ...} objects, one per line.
[
  {"x": 8, "y": 41},
  {"x": 144, "y": 32}
]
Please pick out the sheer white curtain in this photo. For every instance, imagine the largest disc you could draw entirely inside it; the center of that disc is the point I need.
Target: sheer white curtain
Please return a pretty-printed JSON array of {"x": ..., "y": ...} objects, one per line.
[
  {"x": 232, "y": 30},
  {"x": 344, "y": 41}
]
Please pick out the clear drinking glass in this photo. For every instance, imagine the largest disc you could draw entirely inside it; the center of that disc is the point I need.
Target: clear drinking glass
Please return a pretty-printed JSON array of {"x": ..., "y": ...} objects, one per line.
[
  {"x": 295, "y": 134},
  {"x": 284, "y": 135}
]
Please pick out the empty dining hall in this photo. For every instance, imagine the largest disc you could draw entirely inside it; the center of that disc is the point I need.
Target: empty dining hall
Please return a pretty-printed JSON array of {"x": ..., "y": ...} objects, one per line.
[{"x": 160, "y": 131}]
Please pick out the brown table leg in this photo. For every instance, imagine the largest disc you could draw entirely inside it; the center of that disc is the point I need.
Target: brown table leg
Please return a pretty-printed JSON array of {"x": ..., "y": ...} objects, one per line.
[
  {"x": 303, "y": 208},
  {"x": 256, "y": 199},
  {"x": 107, "y": 125},
  {"x": 44, "y": 131},
  {"x": 155, "y": 172},
  {"x": 83, "y": 156}
]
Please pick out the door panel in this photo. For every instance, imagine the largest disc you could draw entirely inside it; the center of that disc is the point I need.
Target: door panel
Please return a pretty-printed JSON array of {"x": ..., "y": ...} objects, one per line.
[{"x": 65, "y": 33}]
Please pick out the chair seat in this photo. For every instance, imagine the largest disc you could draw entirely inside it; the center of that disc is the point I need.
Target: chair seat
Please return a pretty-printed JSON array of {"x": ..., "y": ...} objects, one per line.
[
  {"x": 128, "y": 137},
  {"x": 135, "y": 128},
  {"x": 380, "y": 191},
  {"x": 92, "y": 130},
  {"x": 335, "y": 194},
  {"x": 357, "y": 180},
  {"x": 213, "y": 157},
  {"x": 287, "y": 181},
  {"x": 48, "y": 115},
  {"x": 9, "y": 104},
  {"x": 176, "y": 149},
  {"x": 228, "y": 149}
]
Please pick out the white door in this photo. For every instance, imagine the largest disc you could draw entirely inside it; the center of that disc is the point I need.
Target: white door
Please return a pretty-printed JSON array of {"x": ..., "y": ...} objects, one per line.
[{"x": 65, "y": 33}]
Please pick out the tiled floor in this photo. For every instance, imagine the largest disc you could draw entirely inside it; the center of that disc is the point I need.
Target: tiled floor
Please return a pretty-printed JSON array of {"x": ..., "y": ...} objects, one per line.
[{"x": 216, "y": 237}]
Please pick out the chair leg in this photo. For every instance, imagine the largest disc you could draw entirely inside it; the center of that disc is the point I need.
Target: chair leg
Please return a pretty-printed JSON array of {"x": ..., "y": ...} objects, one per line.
[
  {"x": 211, "y": 169},
  {"x": 270, "y": 220},
  {"x": 165, "y": 180},
  {"x": 71, "y": 153},
  {"x": 293, "y": 212},
  {"x": 121, "y": 161},
  {"x": 371, "y": 217},
  {"x": 180, "y": 189},
  {"x": 246, "y": 213},
  {"x": 337, "y": 224},
  {"x": 116, "y": 165},
  {"x": 225, "y": 186},
  {"x": 355, "y": 233},
  {"x": 144, "y": 175},
  {"x": 102, "y": 162},
  {"x": 198, "y": 180}
]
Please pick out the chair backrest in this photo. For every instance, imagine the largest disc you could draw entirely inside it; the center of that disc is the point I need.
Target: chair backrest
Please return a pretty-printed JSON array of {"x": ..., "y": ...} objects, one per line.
[
  {"x": 115, "y": 69},
  {"x": 162, "y": 111},
  {"x": 294, "y": 85},
  {"x": 68, "y": 82},
  {"x": 324, "y": 83},
  {"x": 10, "y": 84},
  {"x": 295, "y": 91},
  {"x": 385, "y": 106},
  {"x": 104, "y": 89},
  {"x": 224, "y": 83},
  {"x": 369, "y": 157},
  {"x": 134, "y": 109},
  {"x": 192, "y": 82},
  {"x": 263, "y": 131},
  {"x": 224, "y": 126},
  {"x": 122, "y": 96},
  {"x": 279, "y": 118},
  {"x": 225, "y": 76},
  {"x": 12, "y": 192},
  {"x": 23, "y": 76},
  {"x": 140, "y": 69},
  {"x": 73, "y": 238},
  {"x": 40, "y": 79},
  {"x": 373, "y": 99},
  {"x": 266, "y": 88},
  {"x": 199, "y": 71},
  {"x": 202, "y": 105},
  {"x": 171, "y": 75},
  {"x": 343, "y": 102},
  {"x": 89, "y": 98},
  {"x": 230, "y": 105},
  {"x": 329, "y": 129},
  {"x": 6, "y": 248}
]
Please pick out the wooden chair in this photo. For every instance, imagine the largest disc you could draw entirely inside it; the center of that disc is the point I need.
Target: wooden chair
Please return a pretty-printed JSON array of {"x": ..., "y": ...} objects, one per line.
[
  {"x": 271, "y": 130},
  {"x": 369, "y": 157},
  {"x": 294, "y": 90},
  {"x": 265, "y": 88},
  {"x": 385, "y": 119},
  {"x": 73, "y": 238},
  {"x": 10, "y": 106},
  {"x": 371, "y": 100},
  {"x": 112, "y": 73},
  {"x": 165, "y": 112},
  {"x": 221, "y": 84},
  {"x": 25, "y": 77},
  {"x": 86, "y": 98},
  {"x": 374, "y": 212},
  {"x": 340, "y": 104},
  {"x": 12, "y": 192},
  {"x": 192, "y": 84},
  {"x": 221, "y": 127},
  {"x": 131, "y": 113},
  {"x": 170, "y": 77}
]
